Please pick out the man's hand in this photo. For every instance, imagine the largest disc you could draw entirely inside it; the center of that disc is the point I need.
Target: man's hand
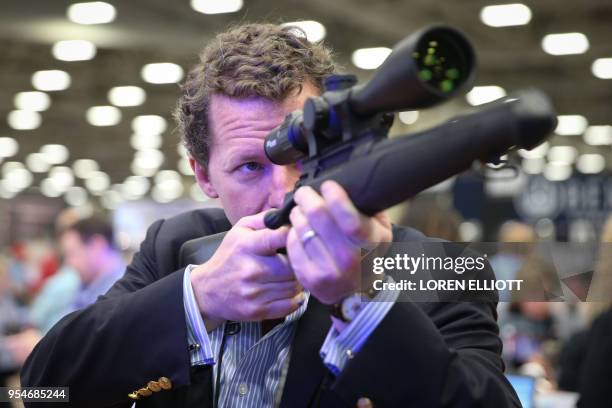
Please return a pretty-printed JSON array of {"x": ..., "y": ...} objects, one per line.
[
  {"x": 328, "y": 262},
  {"x": 246, "y": 280}
]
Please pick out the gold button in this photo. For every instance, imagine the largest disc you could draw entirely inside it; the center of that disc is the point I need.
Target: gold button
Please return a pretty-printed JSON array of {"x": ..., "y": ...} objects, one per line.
[
  {"x": 145, "y": 392},
  {"x": 134, "y": 395},
  {"x": 165, "y": 383},
  {"x": 154, "y": 386},
  {"x": 364, "y": 402}
]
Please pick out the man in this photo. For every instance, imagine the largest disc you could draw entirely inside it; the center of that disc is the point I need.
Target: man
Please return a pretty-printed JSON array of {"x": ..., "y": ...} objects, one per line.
[
  {"x": 55, "y": 298},
  {"x": 165, "y": 335}
]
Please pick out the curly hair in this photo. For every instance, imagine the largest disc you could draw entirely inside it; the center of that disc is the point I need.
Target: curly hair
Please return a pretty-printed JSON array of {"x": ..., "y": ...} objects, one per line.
[{"x": 252, "y": 60}]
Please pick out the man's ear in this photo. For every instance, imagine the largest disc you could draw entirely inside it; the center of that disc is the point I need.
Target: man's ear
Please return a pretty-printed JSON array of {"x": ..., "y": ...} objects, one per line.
[{"x": 203, "y": 178}]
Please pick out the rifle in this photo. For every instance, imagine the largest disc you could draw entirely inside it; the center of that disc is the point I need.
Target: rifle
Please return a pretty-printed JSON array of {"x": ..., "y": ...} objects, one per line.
[{"x": 342, "y": 135}]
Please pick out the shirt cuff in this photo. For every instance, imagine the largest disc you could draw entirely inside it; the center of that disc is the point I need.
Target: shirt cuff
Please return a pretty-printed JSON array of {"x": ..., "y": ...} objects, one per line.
[
  {"x": 339, "y": 348},
  {"x": 200, "y": 350}
]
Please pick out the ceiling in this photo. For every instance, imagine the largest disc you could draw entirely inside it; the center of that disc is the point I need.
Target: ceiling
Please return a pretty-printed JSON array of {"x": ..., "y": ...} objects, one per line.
[{"x": 148, "y": 31}]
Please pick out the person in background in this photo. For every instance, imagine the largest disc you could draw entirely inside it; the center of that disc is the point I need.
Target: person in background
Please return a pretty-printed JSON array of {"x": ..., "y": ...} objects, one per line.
[
  {"x": 432, "y": 220},
  {"x": 586, "y": 359},
  {"x": 89, "y": 248},
  {"x": 18, "y": 271},
  {"x": 56, "y": 296},
  {"x": 13, "y": 318},
  {"x": 515, "y": 239},
  {"x": 528, "y": 328}
]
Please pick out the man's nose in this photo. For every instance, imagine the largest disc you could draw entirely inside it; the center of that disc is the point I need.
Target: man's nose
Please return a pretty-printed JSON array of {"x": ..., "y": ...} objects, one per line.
[{"x": 283, "y": 180}]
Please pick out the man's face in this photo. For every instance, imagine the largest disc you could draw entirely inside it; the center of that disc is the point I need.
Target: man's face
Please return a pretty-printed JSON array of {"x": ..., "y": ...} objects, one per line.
[{"x": 239, "y": 173}]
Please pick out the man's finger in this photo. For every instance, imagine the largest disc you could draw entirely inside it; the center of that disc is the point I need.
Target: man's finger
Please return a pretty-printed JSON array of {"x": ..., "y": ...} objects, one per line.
[
  {"x": 267, "y": 241},
  {"x": 277, "y": 269},
  {"x": 280, "y": 290},
  {"x": 254, "y": 222},
  {"x": 344, "y": 213},
  {"x": 316, "y": 247}
]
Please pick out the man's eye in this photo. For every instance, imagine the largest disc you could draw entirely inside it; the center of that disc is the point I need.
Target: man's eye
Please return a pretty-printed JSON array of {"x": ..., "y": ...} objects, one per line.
[{"x": 250, "y": 167}]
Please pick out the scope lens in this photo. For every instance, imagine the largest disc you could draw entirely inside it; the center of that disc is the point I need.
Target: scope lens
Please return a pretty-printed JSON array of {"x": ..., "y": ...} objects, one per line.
[{"x": 443, "y": 60}]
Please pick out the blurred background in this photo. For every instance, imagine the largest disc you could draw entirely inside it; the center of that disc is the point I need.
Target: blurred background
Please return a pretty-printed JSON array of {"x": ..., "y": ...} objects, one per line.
[{"x": 87, "y": 91}]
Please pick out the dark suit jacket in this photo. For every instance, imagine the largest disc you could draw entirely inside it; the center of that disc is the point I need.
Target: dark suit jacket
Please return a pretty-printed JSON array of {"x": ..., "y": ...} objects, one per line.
[
  {"x": 421, "y": 355},
  {"x": 596, "y": 370}
]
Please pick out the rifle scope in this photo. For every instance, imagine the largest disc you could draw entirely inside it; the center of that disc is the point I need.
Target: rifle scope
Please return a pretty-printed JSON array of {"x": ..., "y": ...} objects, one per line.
[{"x": 426, "y": 68}]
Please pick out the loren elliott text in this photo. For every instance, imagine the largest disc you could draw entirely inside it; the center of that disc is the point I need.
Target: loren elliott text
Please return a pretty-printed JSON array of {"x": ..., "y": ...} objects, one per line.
[{"x": 450, "y": 285}]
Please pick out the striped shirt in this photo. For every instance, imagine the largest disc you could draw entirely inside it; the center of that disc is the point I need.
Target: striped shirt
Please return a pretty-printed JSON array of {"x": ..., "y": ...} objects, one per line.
[{"x": 252, "y": 365}]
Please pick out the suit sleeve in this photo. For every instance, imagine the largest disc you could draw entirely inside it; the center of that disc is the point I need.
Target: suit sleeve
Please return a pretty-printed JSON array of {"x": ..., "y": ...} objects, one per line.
[
  {"x": 450, "y": 361},
  {"x": 432, "y": 354},
  {"x": 132, "y": 335}
]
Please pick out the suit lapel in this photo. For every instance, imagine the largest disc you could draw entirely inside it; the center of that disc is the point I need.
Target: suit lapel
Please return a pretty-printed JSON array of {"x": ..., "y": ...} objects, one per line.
[{"x": 306, "y": 369}]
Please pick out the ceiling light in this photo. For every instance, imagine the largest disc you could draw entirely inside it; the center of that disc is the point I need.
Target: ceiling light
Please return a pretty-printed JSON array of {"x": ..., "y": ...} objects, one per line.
[
  {"x": 571, "y": 125},
  {"x": 216, "y": 6},
  {"x": 149, "y": 124},
  {"x": 140, "y": 141},
  {"x": 557, "y": 171},
  {"x": 536, "y": 152},
  {"x": 146, "y": 162},
  {"x": 598, "y": 135},
  {"x": 505, "y": 15},
  {"x": 197, "y": 194},
  {"x": 84, "y": 167},
  {"x": 111, "y": 199},
  {"x": 95, "y": 12},
  {"x": 48, "y": 188},
  {"x": 32, "y": 101},
  {"x": 103, "y": 115},
  {"x": 36, "y": 163},
  {"x": 74, "y": 50},
  {"x": 135, "y": 187},
  {"x": 127, "y": 96},
  {"x": 5, "y": 192},
  {"x": 97, "y": 182},
  {"x": 314, "y": 30},
  {"x": 10, "y": 166},
  {"x": 370, "y": 58},
  {"x": 408, "y": 117},
  {"x": 61, "y": 177},
  {"x": 167, "y": 191},
  {"x": 75, "y": 196},
  {"x": 565, "y": 44},
  {"x": 55, "y": 153},
  {"x": 484, "y": 94},
  {"x": 18, "y": 179},
  {"x": 184, "y": 166},
  {"x": 8, "y": 147},
  {"x": 167, "y": 175},
  {"x": 602, "y": 68},
  {"x": 591, "y": 163},
  {"x": 23, "y": 120},
  {"x": 533, "y": 166},
  {"x": 51, "y": 80},
  {"x": 562, "y": 154},
  {"x": 162, "y": 73},
  {"x": 138, "y": 170}
]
